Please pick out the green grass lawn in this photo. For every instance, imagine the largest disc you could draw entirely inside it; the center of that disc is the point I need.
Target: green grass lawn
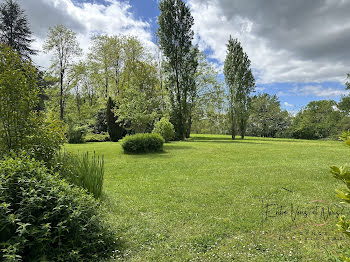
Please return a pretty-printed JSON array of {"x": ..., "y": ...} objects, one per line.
[{"x": 206, "y": 199}]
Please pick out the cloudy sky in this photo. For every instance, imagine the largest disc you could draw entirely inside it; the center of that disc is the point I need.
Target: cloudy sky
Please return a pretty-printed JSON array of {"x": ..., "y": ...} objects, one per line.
[{"x": 299, "y": 49}]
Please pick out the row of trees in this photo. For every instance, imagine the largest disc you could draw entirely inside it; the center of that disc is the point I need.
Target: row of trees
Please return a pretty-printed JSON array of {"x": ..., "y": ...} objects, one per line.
[
  {"x": 139, "y": 89},
  {"x": 120, "y": 87}
]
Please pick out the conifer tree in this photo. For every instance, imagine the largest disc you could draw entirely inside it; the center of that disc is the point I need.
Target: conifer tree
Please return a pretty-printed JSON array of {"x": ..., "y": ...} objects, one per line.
[{"x": 14, "y": 29}]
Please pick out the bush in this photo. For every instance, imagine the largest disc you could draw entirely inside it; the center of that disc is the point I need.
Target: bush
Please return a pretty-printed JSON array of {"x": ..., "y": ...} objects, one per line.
[
  {"x": 143, "y": 143},
  {"x": 82, "y": 171},
  {"x": 46, "y": 139},
  {"x": 91, "y": 137},
  {"x": 43, "y": 218},
  {"x": 165, "y": 129},
  {"x": 76, "y": 135}
]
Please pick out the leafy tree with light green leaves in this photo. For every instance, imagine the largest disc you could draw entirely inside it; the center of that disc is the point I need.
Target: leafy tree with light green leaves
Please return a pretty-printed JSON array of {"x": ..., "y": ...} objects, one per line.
[
  {"x": 175, "y": 39},
  {"x": 140, "y": 102},
  {"x": 18, "y": 99},
  {"x": 105, "y": 57},
  {"x": 22, "y": 128},
  {"x": 240, "y": 81},
  {"x": 209, "y": 114},
  {"x": 65, "y": 47}
]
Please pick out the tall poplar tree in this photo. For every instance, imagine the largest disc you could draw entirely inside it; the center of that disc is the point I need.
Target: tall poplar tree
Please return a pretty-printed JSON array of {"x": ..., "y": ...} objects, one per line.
[
  {"x": 240, "y": 81},
  {"x": 175, "y": 39},
  {"x": 14, "y": 29}
]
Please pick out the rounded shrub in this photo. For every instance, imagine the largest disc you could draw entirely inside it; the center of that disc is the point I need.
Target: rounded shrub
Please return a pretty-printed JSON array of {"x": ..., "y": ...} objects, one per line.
[
  {"x": 165, "y": 129},
  {"x": 143, "y": 143},
  {"x": 76, "y": 135},
  {"x": 43, "y": 218}
]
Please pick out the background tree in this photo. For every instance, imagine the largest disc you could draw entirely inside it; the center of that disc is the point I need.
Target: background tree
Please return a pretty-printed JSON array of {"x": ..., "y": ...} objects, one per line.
[
  {"x": 101, "y": 54},
  {"x": 266, "y": 117},
  {"x": 209, "y": 113},
  {"x": 318, "y": 120},
  {"x": 14, "y": 29},
  {"x": 175, "y": 39},
  {"x": 18, "y": 99},
  {"x": 139, "y": 105},
  {"x": 63, "y": 42},
  {"x": 241, "y": 83}
]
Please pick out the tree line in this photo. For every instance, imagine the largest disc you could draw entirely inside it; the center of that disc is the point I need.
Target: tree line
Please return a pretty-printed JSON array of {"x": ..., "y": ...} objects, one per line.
[{"x": 120, "y": 87}]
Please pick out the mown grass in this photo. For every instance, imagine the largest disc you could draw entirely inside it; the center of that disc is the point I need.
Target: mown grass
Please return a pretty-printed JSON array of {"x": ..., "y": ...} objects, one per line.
[{"x": 205, "y": 199}]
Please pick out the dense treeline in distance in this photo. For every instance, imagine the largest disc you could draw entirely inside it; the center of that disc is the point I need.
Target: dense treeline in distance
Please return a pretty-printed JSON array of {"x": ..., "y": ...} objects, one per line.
[{"x": 121, "y": 87}]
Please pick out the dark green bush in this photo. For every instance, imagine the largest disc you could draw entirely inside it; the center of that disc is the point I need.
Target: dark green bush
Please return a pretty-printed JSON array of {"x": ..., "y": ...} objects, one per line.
[
  {"x": 143, "y": 143},
  {"x": 43, "y": 218},
  {"x": 83, "y": 171},
  {"x": 91, "y": 137},
  {"x": 76, "y": 135}
]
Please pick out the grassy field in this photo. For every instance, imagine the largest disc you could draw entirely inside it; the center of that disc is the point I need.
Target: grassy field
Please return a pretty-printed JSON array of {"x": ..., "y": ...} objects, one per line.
[{"x": 214, "y": 199}]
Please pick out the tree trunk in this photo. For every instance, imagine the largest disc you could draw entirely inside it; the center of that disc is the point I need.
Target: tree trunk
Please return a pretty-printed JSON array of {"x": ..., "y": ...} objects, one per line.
[
  {"x": 61, "y": 95},
  {"x": 188, "y": 131},
  {"x": 233, "y": 126}
]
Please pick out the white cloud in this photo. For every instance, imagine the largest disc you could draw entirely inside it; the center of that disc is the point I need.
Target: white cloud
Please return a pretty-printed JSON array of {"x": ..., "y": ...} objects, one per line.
[
  {"x": 320, "y": 91},
  {"x": 313, "y": 90},
  {"x": 278, "y": 53},
  {"x": 86, "y": 19},
  {"x": 287, "y": 104}
]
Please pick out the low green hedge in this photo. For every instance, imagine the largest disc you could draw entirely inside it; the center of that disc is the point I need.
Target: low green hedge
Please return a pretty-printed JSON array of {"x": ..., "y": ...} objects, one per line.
[
  {"x": 91, "y": 137},
  {"x": 143, "y": 143}
]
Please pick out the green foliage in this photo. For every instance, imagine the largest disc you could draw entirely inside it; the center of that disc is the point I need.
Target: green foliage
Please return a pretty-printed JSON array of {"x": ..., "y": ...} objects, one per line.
[
  {"x": 42, "y": 218},
  {"x": 240, "y": 81},
  {"x": 139, "y": 105},
  {"x": 18, "y": 98},
  {"x": 343, "y": 174},
  {"x": 165, "y": 129},
  {"x": 91, "y": 137},
  {"x": 81, "y": 170},
  {"x": 143, "y": 143},
  {"x": 100, "y": 121},
  {"x": 266, "y": 117},
  {"x": 76, "y": 135},
  {"x": 62, "y": 42},
  {"x": 14, "y": 29},
  {"x": 209, "y": 112},
  {"x": 47, "y": 136},
  {"x": 115, "y": 130},
  {"x": 318, "y": 120},
  {"x": 175, "y": 39}
]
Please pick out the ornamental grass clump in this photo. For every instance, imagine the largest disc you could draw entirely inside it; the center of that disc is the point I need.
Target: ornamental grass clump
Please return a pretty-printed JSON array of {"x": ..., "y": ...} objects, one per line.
[{"x": 83, "y": 170}]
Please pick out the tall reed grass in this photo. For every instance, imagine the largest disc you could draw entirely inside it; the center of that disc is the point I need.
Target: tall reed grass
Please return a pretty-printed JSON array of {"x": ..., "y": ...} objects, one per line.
[{"x": 82, "y": 170}]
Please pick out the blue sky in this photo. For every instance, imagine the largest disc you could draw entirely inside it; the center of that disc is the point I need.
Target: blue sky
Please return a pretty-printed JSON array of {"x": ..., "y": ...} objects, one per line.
[{"x": 294, "y": 53}]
